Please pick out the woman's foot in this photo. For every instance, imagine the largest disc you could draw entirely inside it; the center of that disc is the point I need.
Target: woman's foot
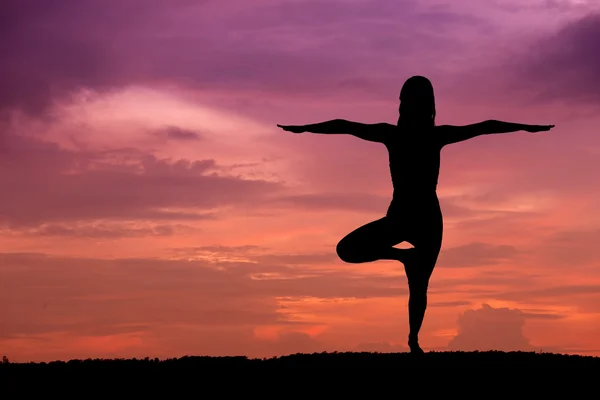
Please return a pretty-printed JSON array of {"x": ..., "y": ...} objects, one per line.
[
  {"x": 415, "y": 349},
  {"x": 413, "y": 344}
]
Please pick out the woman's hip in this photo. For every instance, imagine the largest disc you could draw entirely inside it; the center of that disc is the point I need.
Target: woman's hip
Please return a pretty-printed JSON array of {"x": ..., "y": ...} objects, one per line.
[
  {"x": 417, "y": 209},
  {"x": 420, "y": 223}
]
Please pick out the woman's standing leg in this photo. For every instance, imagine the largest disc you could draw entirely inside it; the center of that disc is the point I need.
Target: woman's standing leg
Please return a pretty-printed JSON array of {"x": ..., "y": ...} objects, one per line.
[
  {"x": 419, "y": 265},
  {"x": 375, "y": 241}
]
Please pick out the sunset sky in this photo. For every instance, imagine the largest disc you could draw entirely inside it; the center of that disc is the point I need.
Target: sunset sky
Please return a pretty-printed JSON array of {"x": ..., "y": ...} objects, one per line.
[{"x": 150, "y": 206}]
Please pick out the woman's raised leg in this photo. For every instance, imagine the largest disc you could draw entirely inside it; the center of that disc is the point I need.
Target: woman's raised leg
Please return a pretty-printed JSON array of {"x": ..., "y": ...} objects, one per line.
[
  {"x": 375, "y": 241},
  {"x": 371, "y": 242}
]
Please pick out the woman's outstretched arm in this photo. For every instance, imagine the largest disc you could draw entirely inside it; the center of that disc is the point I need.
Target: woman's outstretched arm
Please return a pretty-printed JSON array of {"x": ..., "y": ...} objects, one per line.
[
  {"x": 370, "y": 132},
  {"x": 452, "y": 134}
]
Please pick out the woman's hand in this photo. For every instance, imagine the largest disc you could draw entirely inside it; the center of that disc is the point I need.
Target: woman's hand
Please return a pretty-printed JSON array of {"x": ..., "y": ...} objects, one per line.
[
  {"x": 292, "y": 128},
  {"x": 538, "y": 128}
]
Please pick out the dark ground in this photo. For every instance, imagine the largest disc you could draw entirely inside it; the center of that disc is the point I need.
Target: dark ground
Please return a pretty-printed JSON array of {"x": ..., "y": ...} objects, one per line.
[
  {"x": 514, "y": 375},
  {"x": 316, "y": 360}
]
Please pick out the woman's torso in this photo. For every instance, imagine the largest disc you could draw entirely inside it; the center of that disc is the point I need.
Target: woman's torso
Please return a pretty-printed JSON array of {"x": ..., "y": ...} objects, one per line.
[{"x": 414, "y": 166}]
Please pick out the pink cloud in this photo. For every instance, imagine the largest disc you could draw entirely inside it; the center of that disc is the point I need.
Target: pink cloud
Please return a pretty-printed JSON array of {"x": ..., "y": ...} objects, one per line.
[
  {"x": 489, "y": 328},
  {"x": 106, "y": 184}
]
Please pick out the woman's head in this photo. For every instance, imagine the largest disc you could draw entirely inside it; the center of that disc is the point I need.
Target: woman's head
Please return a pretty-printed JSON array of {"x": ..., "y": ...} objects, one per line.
[{"x": 417, "y": 103}]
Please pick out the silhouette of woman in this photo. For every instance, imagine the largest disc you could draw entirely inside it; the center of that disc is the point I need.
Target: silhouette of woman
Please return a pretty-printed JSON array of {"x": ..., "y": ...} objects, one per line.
[{"x": 414, "y": 215}]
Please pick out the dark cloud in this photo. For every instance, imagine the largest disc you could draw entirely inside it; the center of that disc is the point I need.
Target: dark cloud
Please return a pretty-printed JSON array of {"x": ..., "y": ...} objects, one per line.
[
  {"x": 259, "y": 254},
  {"x": 300, "y": 47},
  {"x": 571, "y": 249},
  {"x": 335, "y": 201},
  {"x": 476, "y": 255},
  {"x": 536, "y": 70},
  {"x": 566, "y": 64},
  {"x": 221, "y": 249},
  {"x": 106, "y": 231},
  {"x": 448, "y": 303},
  {"x": 522, "y": 287},
  {"x": 51, "y": 50},
  {"x": 43, "y": 183},
  {"x": 299, "y": 259},
  {"x": 543, "y": 316},
  {"x": 489, "y": 328},
  {"x": 548, "y": 294},
  {"x": 517, "y": 6},
  {"x": 487, "y": 282},
  {"x": 176, "y": 133}
]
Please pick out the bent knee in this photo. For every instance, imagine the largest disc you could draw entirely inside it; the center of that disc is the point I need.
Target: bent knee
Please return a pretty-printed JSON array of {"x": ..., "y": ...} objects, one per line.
[{"x": 346, "y": 251}]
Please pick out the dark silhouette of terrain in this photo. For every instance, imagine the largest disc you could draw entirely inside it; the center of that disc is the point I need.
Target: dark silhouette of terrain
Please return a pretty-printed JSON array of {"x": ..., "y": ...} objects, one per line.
[
  {"x": 316, "y": 360},
  {"x": 514, "y": 374}
]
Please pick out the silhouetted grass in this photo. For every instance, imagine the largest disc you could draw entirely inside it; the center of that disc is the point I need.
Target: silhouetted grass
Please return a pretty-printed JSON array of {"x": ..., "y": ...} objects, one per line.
[
  {"x": 317, "y": 360},
  {"x": 219, "y": 377}
]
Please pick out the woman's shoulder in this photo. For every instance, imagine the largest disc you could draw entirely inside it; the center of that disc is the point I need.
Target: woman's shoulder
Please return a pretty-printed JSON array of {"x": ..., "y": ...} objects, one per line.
[{"x": 399, "y": 135}]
